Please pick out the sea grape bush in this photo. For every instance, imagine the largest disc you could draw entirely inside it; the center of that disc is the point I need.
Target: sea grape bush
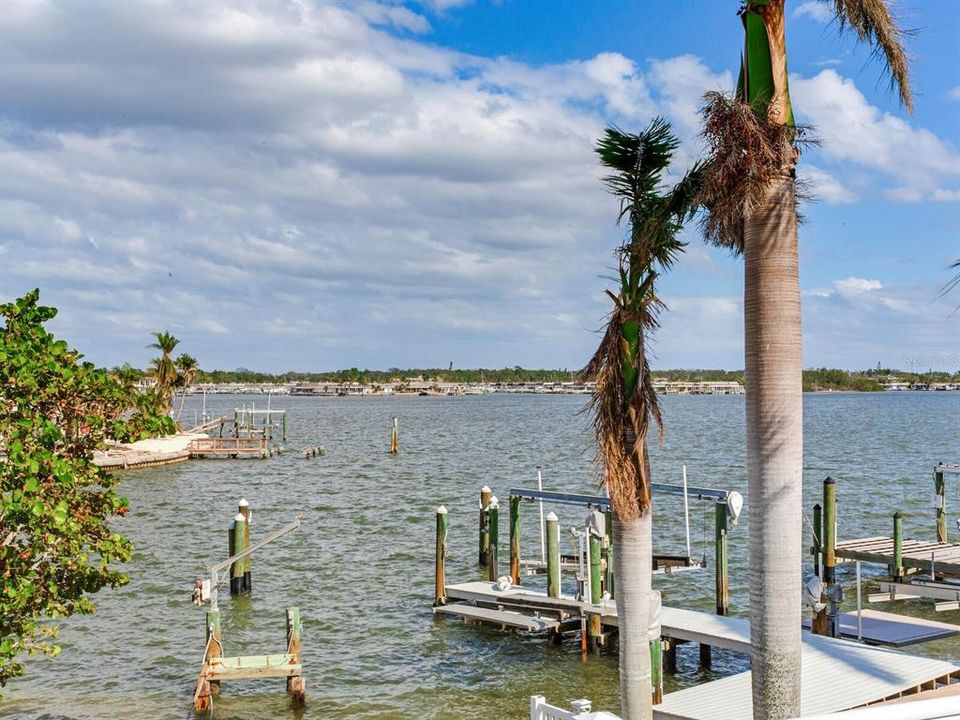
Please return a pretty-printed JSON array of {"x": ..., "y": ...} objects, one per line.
[{"x": 56, "y": 544}]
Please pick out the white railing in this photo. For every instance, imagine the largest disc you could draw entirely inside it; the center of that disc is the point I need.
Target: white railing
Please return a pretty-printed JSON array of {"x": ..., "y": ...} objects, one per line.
[{"x": 540, "y": 709}]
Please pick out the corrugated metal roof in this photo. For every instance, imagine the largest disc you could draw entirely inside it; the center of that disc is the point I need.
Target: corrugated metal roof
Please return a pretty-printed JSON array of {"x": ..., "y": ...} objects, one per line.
[{"x": 835, "y": 675}]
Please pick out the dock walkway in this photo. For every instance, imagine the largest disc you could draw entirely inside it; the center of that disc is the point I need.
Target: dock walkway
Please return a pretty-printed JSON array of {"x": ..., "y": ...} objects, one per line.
[{"x": 917, "y": 554}]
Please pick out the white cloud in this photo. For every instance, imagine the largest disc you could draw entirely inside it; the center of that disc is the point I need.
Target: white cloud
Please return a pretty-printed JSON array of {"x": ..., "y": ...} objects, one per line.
[
  {"x": 854, "y": 286},
  {"x": 816, "y": 10},
  {"x": 954, "y": 93},
  {"x": 824, "y": 186}
]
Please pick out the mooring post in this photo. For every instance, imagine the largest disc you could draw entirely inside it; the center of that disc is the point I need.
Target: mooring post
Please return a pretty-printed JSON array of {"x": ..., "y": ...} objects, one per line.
[
  {"x": 492, "y": 550},
  {"x": 721, "y": 580},
  {"x": 515, "y": 539},
  {"x": 214, "y": 643},
  {"x": 553, "y": 555},
  {"x": 609, "y": 584},
  {"x": 594, "y": 623},
  {"x": 817, "y": 549},
  {"x": 829, "y": 547},
  {"x": 897, "y": 547},
  {"x": 296, "y": 685},
  {"x": 670, "y": 656},
  {"x": 394, "y": 438},
  {"x": 656, "y": 670},
  {"x": 236, "y": 569},
  {"x": 485, "y": 495},
  {"x": 283, "y": 426},
  {"x": 940, "y": 500},
  {"x": 439, "y": 585},
  {"x": 231, "y": 551},
  {"x": 247, "y": 583}
]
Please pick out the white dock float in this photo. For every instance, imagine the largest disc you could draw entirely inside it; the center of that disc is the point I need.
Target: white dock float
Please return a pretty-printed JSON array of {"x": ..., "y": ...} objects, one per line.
[{"x": 835, "y": 675}]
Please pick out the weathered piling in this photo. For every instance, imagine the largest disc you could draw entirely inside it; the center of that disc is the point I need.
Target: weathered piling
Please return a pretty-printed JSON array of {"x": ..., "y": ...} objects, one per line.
[
  {"x": 825, "y": 618},
  {"x": 214, "y": 643},
  {"x": 656, "y": 670},
  {"x": 515, "y": 539},
  {"x": 236, "y": 568},
  {"x": 898, "y": 570},
  {"x": 553, "y": 555},
  {"x": 439, "y": 585},
  {"x": 594, "y": 624},
  {"x": 940, "y": 501},
  {"x": 296, "y": 685},
  {"x": 247, "y": 582},
  {"x": 283, "y": 428},
  {"x": 394, "y": 437},
  {"x": 817, "y": 549},
  {"x": 485, "y": 495},
  {"x": 608, "y": 583},
  {"x": 231, "y": 551},
  {"x": 722, "y": 583},
  {"x": 493, "y": 566}
]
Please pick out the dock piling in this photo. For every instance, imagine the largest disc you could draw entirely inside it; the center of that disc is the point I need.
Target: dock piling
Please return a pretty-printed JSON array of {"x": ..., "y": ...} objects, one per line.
[
  {"x": 236, "y": 568},
  {"x": 485, "y": 495},
  {"x": 394, "y": 437},
  {"x": 940, "y": 503},
  {"x": 594, "y": 624},
  {"x": 829, "y": 553},
  {"x": 553, "y": 555},
  {"x": 214, "y": 643},
  {"x": 494, "y": 535},
  {"x": 247, "y": 582},
  {"x": 515, "y": 539},
  {"x": 898, "y": 569},
  {"x": 231, "y": 551},
  {"x": 722, "y": 582},
  {"x": 609, "y": 585},
  {"x": 817, "y": 540},
  {"x": 656, "y": 669},
  {"x": 439, "y": 586},
  {"x": 296, "y": 685}
]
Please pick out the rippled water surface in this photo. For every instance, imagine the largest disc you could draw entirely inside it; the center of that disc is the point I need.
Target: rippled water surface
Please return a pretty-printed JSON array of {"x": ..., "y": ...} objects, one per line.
[{"x": 361, "y": 566}]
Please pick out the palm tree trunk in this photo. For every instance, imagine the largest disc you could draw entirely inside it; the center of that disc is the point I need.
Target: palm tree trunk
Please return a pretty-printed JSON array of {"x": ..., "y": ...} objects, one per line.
[
  {"x": 632, "y": 578},
  {"x": 183, "y": 399},
  {"x": 773, "y": 349}
]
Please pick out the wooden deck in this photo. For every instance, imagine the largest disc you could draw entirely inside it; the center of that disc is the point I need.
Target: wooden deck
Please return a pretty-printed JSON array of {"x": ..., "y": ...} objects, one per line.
[
  {"x": 917, "y": 554},
  {"x": 254, "y": 667},
  {"x": 126, "y": 459},
  {"x": 228, "y": 447}
]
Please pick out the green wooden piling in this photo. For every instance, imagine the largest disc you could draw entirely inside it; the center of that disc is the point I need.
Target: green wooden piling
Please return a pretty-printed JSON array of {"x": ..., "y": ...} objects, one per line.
[
  {"x": 553, "y": 555},
  {"x": 940, "y": 488},
  {"x": 594, "y": 624},
  {"x": 515, "y": 539},
  {"x": 817, "y": 538},
  {"x": 829, "y": 531},
  {"x": 214, "y": 643},
  {"x": 722, "y": 583},
  {"x": 609, "y": 583},
  {"x": 439, "y": 585},
  {"x": 231, "y": 551},
  {"x": 236, "y": 568},
  {"x": 247, "y": 583},
  {"x": 492, "y": 551},
  {"x": 898, "y": 569},
  {"x": 296, "y": 686},
  {"x": 656, "y": 670},
  {"x": 485, "y": 495}
]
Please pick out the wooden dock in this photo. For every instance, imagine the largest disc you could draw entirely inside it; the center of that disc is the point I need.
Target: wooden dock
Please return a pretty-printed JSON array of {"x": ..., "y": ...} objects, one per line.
[
  {"x": 231, "y": 447},
  {"x": 917, "y": 554},
  {"x": 127, "y": 459}
]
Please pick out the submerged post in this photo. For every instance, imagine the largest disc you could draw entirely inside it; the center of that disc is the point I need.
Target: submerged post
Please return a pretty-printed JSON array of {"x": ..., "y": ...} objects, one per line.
[
  {"x": 940, "y": 502},
  {"x": 594, "y": 624},
  {"x": 247, "y": 583},
  {"x": 439, "y": 585},
  {"x": 515, "y": 539},
  {"x": 817, "y": 539},
  {"x": 492, "y": 551},
  {"x": 897, "y": 546},
  {"x": 722, "y": 589},
  {"x": 485, "y": 495},
  {"x": 553, "y": 555}
]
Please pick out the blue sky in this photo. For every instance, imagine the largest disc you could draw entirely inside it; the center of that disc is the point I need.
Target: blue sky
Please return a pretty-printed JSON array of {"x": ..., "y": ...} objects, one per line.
[{"x": 308, "y": 185}]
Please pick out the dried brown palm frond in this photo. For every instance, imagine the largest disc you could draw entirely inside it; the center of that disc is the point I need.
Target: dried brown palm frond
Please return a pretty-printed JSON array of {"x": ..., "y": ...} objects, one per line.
[
  {"x": 874, "y": 23},
  {"x": 745, "y": 153}
]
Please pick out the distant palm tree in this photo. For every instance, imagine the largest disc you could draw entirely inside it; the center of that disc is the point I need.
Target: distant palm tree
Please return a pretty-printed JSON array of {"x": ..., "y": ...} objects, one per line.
[
  {"x": 187, "y": 367},
  {"x": 164, "y": 369},
  {"x": 624, "y": 400},
  {"x": 750, "y": 195}
]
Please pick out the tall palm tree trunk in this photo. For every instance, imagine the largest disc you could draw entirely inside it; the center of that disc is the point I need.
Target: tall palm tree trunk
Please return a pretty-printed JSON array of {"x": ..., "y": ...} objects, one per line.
[
  {"x": 774, "y": 400},
  {"x": 634, "y": 543}
]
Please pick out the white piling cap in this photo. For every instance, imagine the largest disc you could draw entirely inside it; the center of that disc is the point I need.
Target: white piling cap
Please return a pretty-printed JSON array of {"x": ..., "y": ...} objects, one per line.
[
  {"x": 441, "y": 510},
  {"x": 494, "y": 503},
  {"x": 552, "y": 517},
  {"x": 239, "y": 518},
  {"x": 485, "y": 489},
  {"x": 244, "y": 503}
]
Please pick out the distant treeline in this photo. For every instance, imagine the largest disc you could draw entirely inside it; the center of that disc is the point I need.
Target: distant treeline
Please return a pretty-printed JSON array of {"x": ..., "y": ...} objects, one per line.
[{"x": 814, "y": 379}]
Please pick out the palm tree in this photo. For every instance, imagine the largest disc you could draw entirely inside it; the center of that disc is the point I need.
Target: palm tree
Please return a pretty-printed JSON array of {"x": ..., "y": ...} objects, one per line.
[
  {"x": 624, "y": 400},
  {"x": 187, "y": 367},
  {"x": 750, "y": 193},
  {"x": 165, "y": 371}
]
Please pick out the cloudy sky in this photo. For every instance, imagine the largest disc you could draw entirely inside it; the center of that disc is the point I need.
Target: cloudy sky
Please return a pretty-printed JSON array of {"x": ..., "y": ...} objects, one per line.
[{"x": 311, "y": 185}]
